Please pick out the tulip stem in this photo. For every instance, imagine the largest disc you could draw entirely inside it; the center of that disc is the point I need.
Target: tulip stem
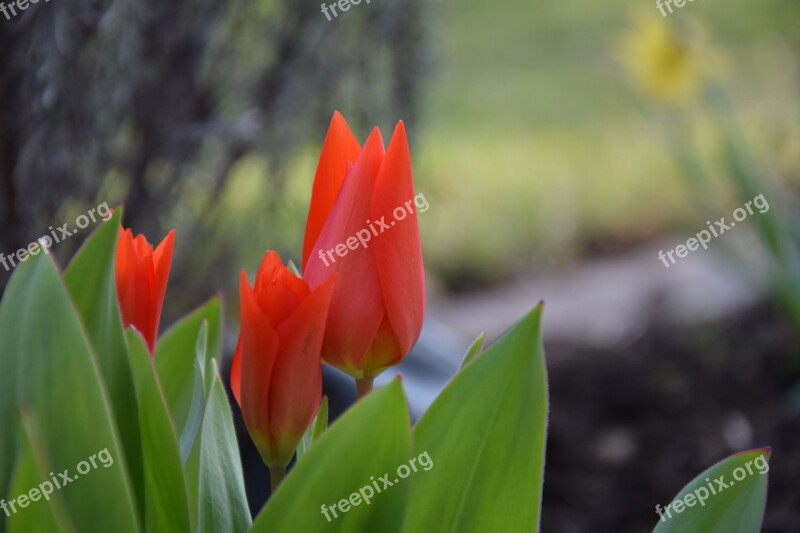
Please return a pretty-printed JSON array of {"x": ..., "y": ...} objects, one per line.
[
  {"x": 276, "y": 473},
  {"x": 364, "y": 385}
]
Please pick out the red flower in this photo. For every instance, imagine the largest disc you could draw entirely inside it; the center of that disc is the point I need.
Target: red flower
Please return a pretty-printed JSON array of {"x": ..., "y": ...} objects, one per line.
[
  {"x": 362, "y": 226},
  {"x": 276, "y": 375},
  {"x": 142, "y": 275}
]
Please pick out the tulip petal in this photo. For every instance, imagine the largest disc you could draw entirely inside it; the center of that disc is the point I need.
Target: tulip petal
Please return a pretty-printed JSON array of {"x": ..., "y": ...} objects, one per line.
[
  {"x": 277, "y": 290},
  {"x": 296, "y": 386},
  {"x": 398, "y": 251},
  {"x": 162, "y": 261},
  {"x": 356, "y": 295},
  {"x": 259, "y": 347},
  {"x": 339, "y": 148},
  {"x": 384, "y": 351}
]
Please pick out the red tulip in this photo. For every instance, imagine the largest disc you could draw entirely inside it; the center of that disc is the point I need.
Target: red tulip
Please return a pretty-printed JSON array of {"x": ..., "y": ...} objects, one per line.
[
  {"x": 276, "y": 375},
  {"x": 355, "y": 231},
  {"x": 142, "y": 275}
]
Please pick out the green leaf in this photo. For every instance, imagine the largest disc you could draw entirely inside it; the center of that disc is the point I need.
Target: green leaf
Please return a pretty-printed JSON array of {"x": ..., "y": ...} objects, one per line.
[
  {"x": 166, "y": 505},
  {"x": 369, "y": 441},
  {"x": 475, "y": 349},
  {"x": 176, "y": 353},
  {"x": 44, "y": 511},
  {"x": 90, "y": 280},
  {"x": 49, "y": 368},
  {"x": 486, "y": 435},
  {"x": 192, "y": 463},
  {"x": 222, "y": 505},
  {"x": 733, "y": 494},
  {"x": 315, "y": 431},
  {"x": 197, "y": 408}
]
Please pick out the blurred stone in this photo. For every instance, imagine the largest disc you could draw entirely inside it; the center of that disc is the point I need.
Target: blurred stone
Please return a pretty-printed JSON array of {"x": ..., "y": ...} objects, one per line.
[
  {"x": 611, "y": 301},
  {"x": 737, "y": 432},
  {"x": 615, "y": 446}
]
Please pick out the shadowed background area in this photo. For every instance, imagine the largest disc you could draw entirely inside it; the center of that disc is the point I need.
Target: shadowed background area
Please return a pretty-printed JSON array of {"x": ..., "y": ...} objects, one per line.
[{"x": 561, "y": 146}]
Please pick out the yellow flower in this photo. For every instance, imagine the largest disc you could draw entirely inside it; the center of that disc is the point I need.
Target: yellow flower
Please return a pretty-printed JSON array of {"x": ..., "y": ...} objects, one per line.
[{"x": 666, "y": 65}]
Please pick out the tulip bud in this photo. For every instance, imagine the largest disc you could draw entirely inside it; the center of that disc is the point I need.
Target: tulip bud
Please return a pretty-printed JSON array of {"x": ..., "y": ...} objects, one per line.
[
  {"x": 364, "y": 229},
  {"x": 276, "y": 376},
  {"x": 141, "y": 276}
]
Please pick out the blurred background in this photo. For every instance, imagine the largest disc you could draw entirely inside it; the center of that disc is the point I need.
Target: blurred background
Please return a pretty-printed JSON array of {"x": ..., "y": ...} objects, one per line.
[{"x": 561, "y": 146}]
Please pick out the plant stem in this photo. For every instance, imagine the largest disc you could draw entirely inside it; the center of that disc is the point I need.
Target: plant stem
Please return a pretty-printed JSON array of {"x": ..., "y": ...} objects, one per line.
[
  {"x": 364, "y": 385},
  {"x": 277, "y": 473}
]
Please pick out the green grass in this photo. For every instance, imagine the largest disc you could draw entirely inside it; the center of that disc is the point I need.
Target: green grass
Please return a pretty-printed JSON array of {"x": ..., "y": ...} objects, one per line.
[{"x": 534, "y": 142}]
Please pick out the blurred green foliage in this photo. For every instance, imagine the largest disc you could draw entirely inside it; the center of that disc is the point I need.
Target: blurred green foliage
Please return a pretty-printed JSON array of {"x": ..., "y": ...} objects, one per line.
[{"x": 537, "y": 148}]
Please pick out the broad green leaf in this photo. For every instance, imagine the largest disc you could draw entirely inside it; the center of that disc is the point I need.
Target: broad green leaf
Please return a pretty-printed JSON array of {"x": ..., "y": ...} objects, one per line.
[
  {"x": 474, "y": 350},
  {"x": 368, "y": 442},
  {"x": 90, "y": 279},
  {"x": 222, "y": 505},
  {"x": 50, "y": 369},
  {"x": 315, "y": 431},
  {"x": 44, "y": 510},
  {"x": 197, "y": 408},
  {"x": 729, "y": 497},
  {"x": 176, "y": 353},
  {"x": 8, "y": 404},
  {"x": 166, "y": 506},
  {"x": 485, "y": 435}
]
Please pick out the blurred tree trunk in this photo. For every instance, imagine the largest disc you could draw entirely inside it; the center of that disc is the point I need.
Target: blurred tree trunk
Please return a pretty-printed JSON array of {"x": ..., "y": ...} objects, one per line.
[{"x": 146, "y": 101}]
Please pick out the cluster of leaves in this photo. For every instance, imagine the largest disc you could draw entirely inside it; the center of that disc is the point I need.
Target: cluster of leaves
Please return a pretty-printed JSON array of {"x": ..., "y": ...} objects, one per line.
[{"x": 73, "y": 382}]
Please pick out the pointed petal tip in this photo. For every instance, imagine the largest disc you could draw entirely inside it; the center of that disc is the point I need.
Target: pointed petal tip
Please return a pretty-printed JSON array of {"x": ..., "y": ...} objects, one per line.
[
  {"x": 399, "y": 136},
  {"x": 339, "y": 123},
  {"x": 243, "y": 281},
  {"x": 167, "y": 245},
  {"x": 374, "y": 138}
]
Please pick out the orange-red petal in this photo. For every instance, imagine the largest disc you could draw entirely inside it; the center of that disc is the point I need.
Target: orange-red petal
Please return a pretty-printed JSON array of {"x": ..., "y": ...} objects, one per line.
[
  {"x": 356, "y": 305},
  {"x": 398, "y": 251},
  {"x": 296, "y": 386},
  {"x": 162, "y": 262},
  {"x": 278, "y": 291},
  {"x": 259, "y": 348},
  {"x": 339, "y": 148}
]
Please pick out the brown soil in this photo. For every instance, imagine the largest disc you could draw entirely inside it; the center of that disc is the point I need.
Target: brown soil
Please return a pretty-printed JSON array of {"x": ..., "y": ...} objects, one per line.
[{"x": 630, "y": 427}]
